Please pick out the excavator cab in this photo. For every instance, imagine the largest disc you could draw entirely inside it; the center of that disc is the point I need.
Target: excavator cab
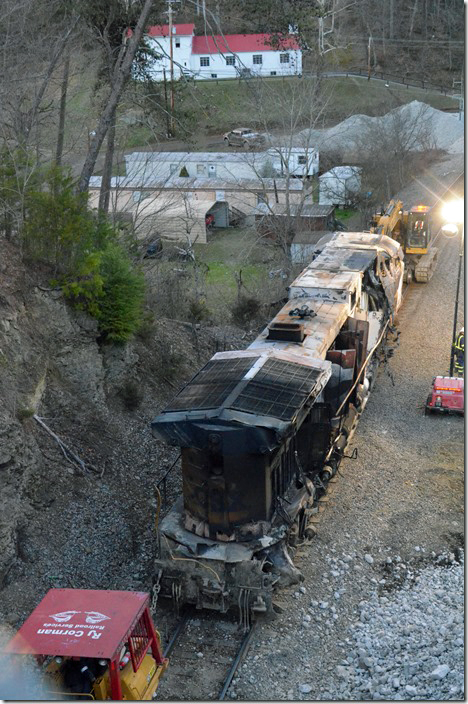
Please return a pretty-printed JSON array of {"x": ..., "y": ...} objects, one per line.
[
  {"x": 93, "y": 644},
  {"x": 417, "y": 230}
]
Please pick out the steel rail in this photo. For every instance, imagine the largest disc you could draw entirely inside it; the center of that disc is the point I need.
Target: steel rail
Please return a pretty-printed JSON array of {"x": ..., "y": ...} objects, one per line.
[
  {"x": 237, "y": 661},
  {"x": 180, "y": 627}
]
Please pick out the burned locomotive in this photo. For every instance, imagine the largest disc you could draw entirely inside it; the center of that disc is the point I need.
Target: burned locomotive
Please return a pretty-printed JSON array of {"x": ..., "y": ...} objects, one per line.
[{"x": 262, "y": 430}]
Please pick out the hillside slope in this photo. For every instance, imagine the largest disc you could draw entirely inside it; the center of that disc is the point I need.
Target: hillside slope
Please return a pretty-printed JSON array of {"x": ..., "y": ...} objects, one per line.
[{"x": 60, "y": 526}]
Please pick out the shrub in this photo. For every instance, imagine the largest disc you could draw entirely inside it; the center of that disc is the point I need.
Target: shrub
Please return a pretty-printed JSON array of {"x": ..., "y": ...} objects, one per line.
[
  {"x": 120, "y": 307},
  {"x": 93, "y": 269},
  {"x": 197, "y": 310},
  {"x": 245, "y": 310}
]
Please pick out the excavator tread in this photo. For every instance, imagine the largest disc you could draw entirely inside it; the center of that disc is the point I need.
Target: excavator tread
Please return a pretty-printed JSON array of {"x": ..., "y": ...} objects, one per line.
[{"x": 426, "y": 266}]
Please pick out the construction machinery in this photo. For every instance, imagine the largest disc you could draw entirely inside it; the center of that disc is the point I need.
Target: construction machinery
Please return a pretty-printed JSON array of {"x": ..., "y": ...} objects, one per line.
[
  {"x": 411, "y": 228},
  {"x": 93, "y": 644}
]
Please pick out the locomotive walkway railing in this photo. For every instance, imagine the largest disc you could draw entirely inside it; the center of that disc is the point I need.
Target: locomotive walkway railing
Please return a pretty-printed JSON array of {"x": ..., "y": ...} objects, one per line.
[{"x": 161, "y": 485}]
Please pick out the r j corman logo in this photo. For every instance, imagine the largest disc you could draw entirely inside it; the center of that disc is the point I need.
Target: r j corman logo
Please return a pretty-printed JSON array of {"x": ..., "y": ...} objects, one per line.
[
  {"x": 91, "y": 616},
  {"x": 64, "y": 616}
]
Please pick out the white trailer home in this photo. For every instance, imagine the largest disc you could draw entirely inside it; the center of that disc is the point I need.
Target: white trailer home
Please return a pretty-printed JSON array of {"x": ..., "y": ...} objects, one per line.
[
  {"x": 339, "y": 185},
  {"x": 277, "y": 161},
  {"x": 222, "y": 56},
  {"x": 178, "y": 206},
  {"x": 301, "y": 162}
]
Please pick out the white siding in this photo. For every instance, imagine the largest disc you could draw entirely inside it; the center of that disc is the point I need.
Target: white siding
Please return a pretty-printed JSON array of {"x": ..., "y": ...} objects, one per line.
[{"x": 244, "y": 61}]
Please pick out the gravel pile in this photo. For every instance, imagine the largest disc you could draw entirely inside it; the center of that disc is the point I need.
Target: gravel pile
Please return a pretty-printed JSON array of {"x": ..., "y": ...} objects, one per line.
[
  {"x": 446, "y": 130},
  {"x": 408, "y": 644}
]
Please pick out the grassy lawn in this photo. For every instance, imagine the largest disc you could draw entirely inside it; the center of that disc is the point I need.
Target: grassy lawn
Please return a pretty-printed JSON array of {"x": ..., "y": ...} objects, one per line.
[
  {"x": 344, "y": 214},
  {"x": 222, "y": 104}
]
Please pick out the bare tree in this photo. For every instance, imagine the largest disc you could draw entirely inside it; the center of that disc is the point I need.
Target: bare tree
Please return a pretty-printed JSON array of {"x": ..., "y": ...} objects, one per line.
[
  {"x": 121, "y": 72},
  {"x": 391, "y": 149}
]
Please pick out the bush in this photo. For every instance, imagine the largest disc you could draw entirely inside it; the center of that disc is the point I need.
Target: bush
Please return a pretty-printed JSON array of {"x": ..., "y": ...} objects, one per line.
[
  {"x": 94, "y": 271},
  {"x": 120, "y": 307},
  {"x": 245, "y": 310},
  {"x": 197, "y": 310}
]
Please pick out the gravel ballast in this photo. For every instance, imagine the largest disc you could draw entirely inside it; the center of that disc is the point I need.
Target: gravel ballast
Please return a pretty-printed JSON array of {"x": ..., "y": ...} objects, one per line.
[{"x": 380, "y": 612}]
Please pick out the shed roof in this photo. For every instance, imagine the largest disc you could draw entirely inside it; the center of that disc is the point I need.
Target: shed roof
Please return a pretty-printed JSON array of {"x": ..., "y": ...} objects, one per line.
[
  {"x": 79, "y": 622},
  {"x": 309, "y": 236},
  {"x": 312, "y": 210},
  {"x": 342, "y": 172}
]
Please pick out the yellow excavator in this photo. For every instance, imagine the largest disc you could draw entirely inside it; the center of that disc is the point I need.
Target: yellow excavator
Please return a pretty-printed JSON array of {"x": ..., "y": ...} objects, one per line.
[{"x": 411, "y": 228}]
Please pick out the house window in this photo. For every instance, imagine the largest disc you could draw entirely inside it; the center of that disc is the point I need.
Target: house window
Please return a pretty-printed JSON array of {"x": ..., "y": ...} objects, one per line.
[
  {"x": 284, "y": 58},
  {"x": 173, "y": 168},
  {"x": 214, "y": 75},
  {"x": 272, "y": 73},
  {"x": 204, "y": 60},
  {"x": 257, "y": 59},
  {"x": 301, "y": 159},
  {"x": 177, "y": 43},
  {"x": 230, "y": 60},
  {"x": 200, "y": 169}
]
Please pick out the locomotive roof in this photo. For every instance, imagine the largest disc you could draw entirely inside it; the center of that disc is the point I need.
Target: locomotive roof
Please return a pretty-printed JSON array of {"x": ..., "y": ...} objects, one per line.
[
  {"x": 361, "y": 241},
  {"x": 264, "y": 388},
  {"x": 318, "y": 278},
  {"x": 320, "y": 330}
]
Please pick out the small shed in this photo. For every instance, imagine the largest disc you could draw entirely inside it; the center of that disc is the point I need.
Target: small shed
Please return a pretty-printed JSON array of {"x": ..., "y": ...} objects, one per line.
[
  {"x": 303, "y": 245},
  {"x": 339, "y": 185},
  {"x": 297, "y": 218}
]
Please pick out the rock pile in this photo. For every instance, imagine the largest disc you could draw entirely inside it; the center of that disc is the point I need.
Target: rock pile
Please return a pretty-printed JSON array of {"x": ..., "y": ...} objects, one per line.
[{"x": 408, "y": 644}]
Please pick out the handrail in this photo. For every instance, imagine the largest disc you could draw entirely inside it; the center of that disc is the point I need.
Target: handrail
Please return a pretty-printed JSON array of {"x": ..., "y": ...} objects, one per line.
[{"x": 163, "y": 481}]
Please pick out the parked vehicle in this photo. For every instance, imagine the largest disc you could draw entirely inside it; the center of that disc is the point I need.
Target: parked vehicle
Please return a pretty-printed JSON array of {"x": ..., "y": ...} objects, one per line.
[{"x": 243, "y": 137}]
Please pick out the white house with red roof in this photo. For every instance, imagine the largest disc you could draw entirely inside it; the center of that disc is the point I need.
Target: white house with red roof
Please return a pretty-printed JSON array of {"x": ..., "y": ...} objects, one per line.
[{"x": 222, "y": 56}]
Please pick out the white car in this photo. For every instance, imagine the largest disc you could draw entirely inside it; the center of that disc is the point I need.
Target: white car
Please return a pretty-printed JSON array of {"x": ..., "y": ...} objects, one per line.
[{"x": 243, "y": 137}]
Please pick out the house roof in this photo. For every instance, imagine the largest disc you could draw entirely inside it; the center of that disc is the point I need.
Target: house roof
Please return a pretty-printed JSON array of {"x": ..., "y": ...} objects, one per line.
[
  {"x": 342, "y": 172},
  {"x": 312, "y": 210},
  {"x": 79, "y": 622},
  {"x": 182, "y": 184},
  {"x": 237, "y": 43},
  {"x": 162, "y": 30},
  {"x": 309, "y": 236}
]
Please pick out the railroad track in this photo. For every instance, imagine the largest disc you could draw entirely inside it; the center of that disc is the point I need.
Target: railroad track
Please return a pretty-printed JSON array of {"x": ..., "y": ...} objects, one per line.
[{"x": 205, "y": 651}]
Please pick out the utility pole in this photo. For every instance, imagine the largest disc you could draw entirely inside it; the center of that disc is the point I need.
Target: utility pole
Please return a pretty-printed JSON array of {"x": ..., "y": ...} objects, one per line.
[
  {"x": 454, "y": 333},
  {"x": 368, "y": 58},
  {"x": 171, "y": 56},
  {"x": 168, "y": 121}
]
